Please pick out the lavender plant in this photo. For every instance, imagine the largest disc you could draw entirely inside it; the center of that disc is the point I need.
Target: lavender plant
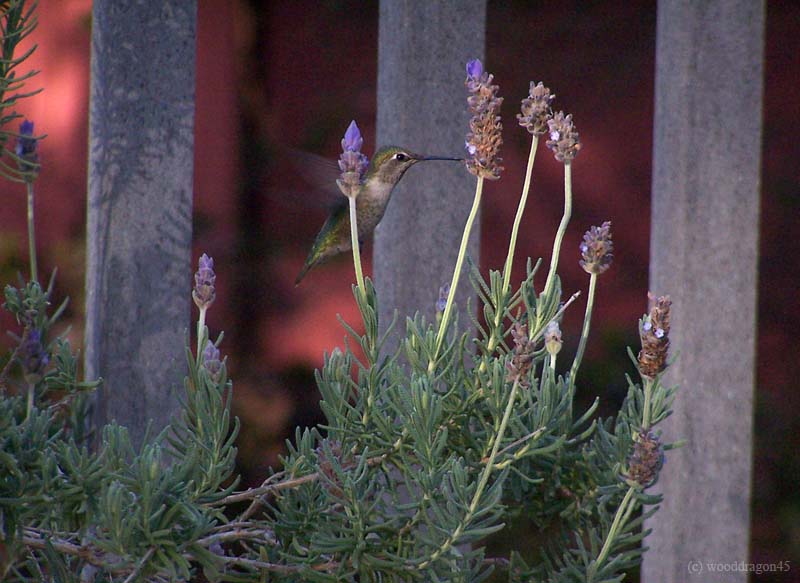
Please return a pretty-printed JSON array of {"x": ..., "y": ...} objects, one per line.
[{"x": 424, "y": 455}]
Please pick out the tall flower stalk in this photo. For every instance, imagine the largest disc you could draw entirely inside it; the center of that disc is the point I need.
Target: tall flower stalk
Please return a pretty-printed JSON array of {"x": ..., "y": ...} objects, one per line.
[
  {"x": 353, "y": 164},
  {"x": 27, "y": 154},
  {"x": 597, "y": 255},
  {"x": 535, "y": 112},
  {"x": 565, "y": 143},
  {"x": 483, "y": 160},
  {"x": 647, "y": 454},
  {"x": 204, "y": 294}
]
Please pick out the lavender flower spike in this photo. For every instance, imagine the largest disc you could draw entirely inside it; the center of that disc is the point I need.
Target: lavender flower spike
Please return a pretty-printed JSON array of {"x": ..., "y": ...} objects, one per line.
[
  {"x": 352, "y": 141},
  {"x": 597, "y": 249},
  {"x": 475, "y": 69},
  {"x": 204, "y": 292},
  {"x": 212, "y": 361},
  {"x": 484, "y": 138},
  {"x": 352, "y": 162},
  {"x": 32, "y": 355},
  {"x": 25, "y": 149}
]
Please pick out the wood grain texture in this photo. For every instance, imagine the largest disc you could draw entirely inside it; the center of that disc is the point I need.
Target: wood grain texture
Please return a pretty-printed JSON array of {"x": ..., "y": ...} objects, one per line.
[
  {"x": 423, "y": 48},
  {"x": 141, "y": 141},
  {"x": 704, "y": 253}
]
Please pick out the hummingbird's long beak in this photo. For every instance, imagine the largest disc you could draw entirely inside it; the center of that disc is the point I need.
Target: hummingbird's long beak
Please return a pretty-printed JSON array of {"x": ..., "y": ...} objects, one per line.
[{"x": 426, "y": 158}]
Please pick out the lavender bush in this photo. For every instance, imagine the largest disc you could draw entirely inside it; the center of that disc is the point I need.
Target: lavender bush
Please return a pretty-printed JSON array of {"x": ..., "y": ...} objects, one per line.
[{"x": 425, "y": 453}]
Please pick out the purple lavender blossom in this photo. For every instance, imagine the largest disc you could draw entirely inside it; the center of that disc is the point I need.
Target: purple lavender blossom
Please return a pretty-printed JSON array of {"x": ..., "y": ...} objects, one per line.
[
  {"x": 352, "y": 141},
  {"x": 474, "y": 69},
  {"x": 485, "y": 127},
  {"x": 352, "y": 162},
  {"x": 32, "y": 355},
  {"x": 204, "y": 292},
  {"x": 25, "y": 149},
  {"x": 444, "y": 292},
  {"x": 212, "y": 361}
]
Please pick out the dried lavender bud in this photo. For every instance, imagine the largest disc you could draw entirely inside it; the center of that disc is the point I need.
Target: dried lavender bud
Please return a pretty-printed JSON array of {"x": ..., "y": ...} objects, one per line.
[
  {"x": 204, "y": 292},
  {"x": 552, "y": 338},
  {"x": 655, "y": 337},
  {"x": 564, "y": 140},
  {"x": 26, "y": 149},
  {"x": 485, "y": 128},
  {"x": 441, "y": 303},
  {"x": 518, "y": 368},
  {"x": 646, "y": 458},
  {"x": 536, "y": 110},
  {"x": 352, "y": 162},
  {"x": 32, "y": 355},
  {"x": 212, "y": 362},
  {"x": 597, "y": 249}
]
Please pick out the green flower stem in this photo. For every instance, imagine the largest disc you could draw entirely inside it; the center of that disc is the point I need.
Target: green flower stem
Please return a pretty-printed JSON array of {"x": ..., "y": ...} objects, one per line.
[
  {"x": 512, "y": 245},
  {"x": 476, "y": 203},
  {"x": 29, "y": 405},
  {"x": 484, "y": 479},
  {"x": 625, "y": 508},
  {"x": 562, "y": 228},
  {"x": 201, "y": 326},
  {"x": 587, "y": 319},
  {"x": 648, "y": 393},
  {"x": 623, "y": 512},
  {"x": 356, "y": 249},
  {"x": 31, "y": 233}
]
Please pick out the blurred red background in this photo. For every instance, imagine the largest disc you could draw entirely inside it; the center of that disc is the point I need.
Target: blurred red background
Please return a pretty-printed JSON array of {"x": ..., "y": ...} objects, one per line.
[{"x": 272, "y": 75}]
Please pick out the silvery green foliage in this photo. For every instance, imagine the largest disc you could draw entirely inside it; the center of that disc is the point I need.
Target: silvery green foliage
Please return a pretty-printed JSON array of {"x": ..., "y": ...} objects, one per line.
[
  {"x": 17, "y": 22},
  {"x": 384, "y": 490}
]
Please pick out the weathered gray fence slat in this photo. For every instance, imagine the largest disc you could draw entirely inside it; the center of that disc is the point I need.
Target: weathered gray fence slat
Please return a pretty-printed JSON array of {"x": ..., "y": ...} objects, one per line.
[
  {"x": 422, "y": 50},
  {"x": 138, "y": 279},
  {"x": 704, "y": 253}
]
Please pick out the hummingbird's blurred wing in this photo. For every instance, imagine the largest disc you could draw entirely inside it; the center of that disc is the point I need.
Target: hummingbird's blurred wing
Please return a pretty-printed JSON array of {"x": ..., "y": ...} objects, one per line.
[{"x": 318, "y": 171}]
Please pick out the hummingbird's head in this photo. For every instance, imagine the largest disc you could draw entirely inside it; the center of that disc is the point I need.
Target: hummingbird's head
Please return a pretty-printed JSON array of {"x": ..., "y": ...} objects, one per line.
[{"x": 391, "y": 162}]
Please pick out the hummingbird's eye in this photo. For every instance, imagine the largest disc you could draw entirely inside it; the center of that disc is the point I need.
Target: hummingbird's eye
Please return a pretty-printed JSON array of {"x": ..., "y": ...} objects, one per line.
[{"x": 400, "y": 157}]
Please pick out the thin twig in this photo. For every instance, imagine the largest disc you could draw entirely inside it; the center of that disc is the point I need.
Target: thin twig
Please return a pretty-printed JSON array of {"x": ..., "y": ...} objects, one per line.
[
  {"x": 519, "y": 441},
  {"x": 35, "y": 540},
  {"x": 563, "y": 308},
  {"x": 277, "y": 567},
  {"x": 237, "y": 534},
  {"x": 266, "y": 488},
  {"x": 135, "y": 573}
]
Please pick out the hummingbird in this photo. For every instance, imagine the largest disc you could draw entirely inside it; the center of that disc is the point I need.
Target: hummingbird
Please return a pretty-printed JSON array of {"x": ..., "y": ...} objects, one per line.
[{"x": 387, "y": 167}]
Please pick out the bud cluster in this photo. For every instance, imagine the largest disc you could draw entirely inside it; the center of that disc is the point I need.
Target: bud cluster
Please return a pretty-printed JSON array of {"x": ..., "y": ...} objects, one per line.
[
  {"x": 564, "y": 140},
  {"x": 646, "y": 458},
  {"x": 485, "y": 128},
  {"x": 552, "y": 338},
  {"x": 352, "y": 163},
  {"x": 26, "y": 150},
  {"x": 441, "y": 302},
  {"x": 518, "y": 368},
  {"x": 597, "y": 249},
  {"x": 212, "y": 361},
  {"x": 204, "y": 292},
  {"x": 536, "y": 109},
  {"x": 32, "y": 355},
  {"x": 655, "y": 337}
]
